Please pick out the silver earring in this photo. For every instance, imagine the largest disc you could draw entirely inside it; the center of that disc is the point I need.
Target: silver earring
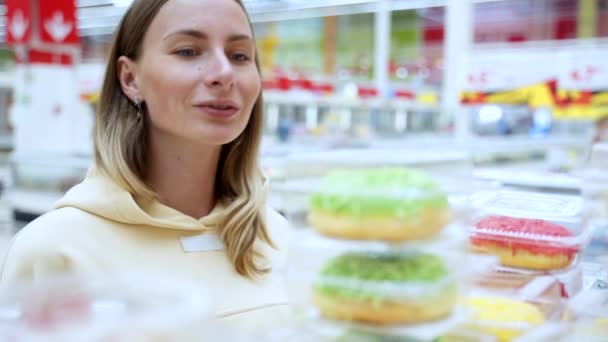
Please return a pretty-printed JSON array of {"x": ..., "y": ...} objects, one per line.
[{"x": 138, "y": 103}]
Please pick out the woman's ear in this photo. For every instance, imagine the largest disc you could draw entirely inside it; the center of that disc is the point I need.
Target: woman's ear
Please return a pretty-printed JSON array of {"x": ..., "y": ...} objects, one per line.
[{"x": 127, "y": 76}]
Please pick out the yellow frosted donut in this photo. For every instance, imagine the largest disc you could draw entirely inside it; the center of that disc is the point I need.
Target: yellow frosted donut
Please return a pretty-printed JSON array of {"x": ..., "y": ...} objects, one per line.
[{"x": 503, "y": 318}]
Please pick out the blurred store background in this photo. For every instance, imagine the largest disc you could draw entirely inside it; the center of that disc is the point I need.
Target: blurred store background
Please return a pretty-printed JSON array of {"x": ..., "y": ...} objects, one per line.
[
  {"x": 515, "y": 82},
  {"x": 509, "y": 94}
]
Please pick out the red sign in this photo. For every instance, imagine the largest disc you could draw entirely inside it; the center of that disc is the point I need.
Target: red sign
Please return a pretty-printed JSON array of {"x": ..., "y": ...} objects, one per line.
[
  {"x": 18, "y": 21},
  {"x": 58, "y": 23}
]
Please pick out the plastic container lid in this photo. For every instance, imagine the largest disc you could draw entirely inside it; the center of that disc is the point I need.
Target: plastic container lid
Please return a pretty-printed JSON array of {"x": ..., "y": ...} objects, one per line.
[
  {"x": 451, "y": 239},
  {"x": 555, "y": 208},
  {"x": 296, "y": 196},
  {"x": 541, "y": 215},
  {"x": 116, "y": 308}
]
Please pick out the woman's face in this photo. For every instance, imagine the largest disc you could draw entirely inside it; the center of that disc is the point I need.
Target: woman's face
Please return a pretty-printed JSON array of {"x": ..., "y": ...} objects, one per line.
[{"x": 197, "y": 72}]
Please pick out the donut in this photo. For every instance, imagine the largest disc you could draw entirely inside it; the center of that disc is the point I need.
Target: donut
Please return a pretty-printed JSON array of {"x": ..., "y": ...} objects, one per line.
[
  {"x": 391, "y": 204},
  {"x": 525, "y": 251},
  {"x": 385, "y": 288},
  {"x": 503, "y": 318}
]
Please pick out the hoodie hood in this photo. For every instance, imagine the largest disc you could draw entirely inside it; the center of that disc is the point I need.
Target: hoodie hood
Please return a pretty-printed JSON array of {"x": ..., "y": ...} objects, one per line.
[{"x": 100, "y": 196}]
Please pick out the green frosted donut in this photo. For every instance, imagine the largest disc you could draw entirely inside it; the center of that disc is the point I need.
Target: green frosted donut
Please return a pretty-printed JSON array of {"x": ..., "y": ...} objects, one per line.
[{"x": 350, "y": 275}]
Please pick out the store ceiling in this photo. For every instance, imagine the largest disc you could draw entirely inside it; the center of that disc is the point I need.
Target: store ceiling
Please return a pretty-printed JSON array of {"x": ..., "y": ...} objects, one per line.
[{"x": 99, "y": 17}]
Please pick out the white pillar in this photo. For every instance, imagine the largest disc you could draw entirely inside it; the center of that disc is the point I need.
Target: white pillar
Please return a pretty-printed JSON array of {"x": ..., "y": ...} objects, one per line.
[
  {"x": 400, "y": 120},
  {"x": 382, "y": 34},
  {"x": 273, "y": 117},
  {"x": 457, "y": 48},
  {"x": 312, "y": 116}
]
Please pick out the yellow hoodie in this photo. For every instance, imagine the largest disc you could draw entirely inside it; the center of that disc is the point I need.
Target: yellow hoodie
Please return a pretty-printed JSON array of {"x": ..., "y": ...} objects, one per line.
[{"x": 99, "y": 228}]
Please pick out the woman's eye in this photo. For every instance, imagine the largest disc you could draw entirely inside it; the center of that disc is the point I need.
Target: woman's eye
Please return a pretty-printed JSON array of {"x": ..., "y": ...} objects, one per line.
[
  {"x": 240, "y": 57},
  {"x": 186, "y": 52}
]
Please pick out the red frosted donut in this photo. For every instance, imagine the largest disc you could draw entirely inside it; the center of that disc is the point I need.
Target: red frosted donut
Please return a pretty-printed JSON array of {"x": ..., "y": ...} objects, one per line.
[{"x": 524, "y": 252}]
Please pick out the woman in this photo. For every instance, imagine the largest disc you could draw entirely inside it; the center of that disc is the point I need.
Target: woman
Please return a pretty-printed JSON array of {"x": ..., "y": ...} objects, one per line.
[{"x": 176, "y": 188}]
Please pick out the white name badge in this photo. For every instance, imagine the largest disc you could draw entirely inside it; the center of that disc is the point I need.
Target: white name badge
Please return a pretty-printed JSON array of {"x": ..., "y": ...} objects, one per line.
[{"x": 205, "y": 242}]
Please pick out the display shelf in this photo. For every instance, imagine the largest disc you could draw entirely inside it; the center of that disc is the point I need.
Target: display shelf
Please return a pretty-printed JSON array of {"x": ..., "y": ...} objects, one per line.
[
  {"x": 31, "y": 201},
  {"x": 488, "y": 150},
  {"x": 275, "y": 97},
  {"x": 37, "y": 181}
]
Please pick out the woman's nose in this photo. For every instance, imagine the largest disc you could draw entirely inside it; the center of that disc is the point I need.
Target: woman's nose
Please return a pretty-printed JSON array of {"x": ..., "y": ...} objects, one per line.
[{"x": 219, "y": 72}]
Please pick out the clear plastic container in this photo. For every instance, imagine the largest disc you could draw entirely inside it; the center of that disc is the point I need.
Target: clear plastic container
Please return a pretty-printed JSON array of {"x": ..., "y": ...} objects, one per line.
[
  {"x": 528, "y": 230},
  {"x": 386, "y": 204},
  {"x": 405, "y": 289},
  {"x": 421, "y": 195},
  {"x": 543, "y": 289},
  {"x": 118, "y": 308}
]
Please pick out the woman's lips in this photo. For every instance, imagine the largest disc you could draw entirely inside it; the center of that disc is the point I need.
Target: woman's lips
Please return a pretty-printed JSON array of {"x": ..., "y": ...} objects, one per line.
[
  {"x": 218, "y": 108},
  {"x": 218, "y": 112}
]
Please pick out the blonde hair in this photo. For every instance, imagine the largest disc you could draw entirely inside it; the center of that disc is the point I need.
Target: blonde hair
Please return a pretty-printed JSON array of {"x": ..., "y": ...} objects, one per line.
[{"x": 121, "y": 147}]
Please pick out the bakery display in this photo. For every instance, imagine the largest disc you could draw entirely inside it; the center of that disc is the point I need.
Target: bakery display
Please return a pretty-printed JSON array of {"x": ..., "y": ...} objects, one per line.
[
  {"x": 380, "y": 253},
  {"x": 389, "y": 204},
  {"x": 385, "y": 288},
  {"x": 503, "y": 318},
  {"x": 524, "y": 243}
]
